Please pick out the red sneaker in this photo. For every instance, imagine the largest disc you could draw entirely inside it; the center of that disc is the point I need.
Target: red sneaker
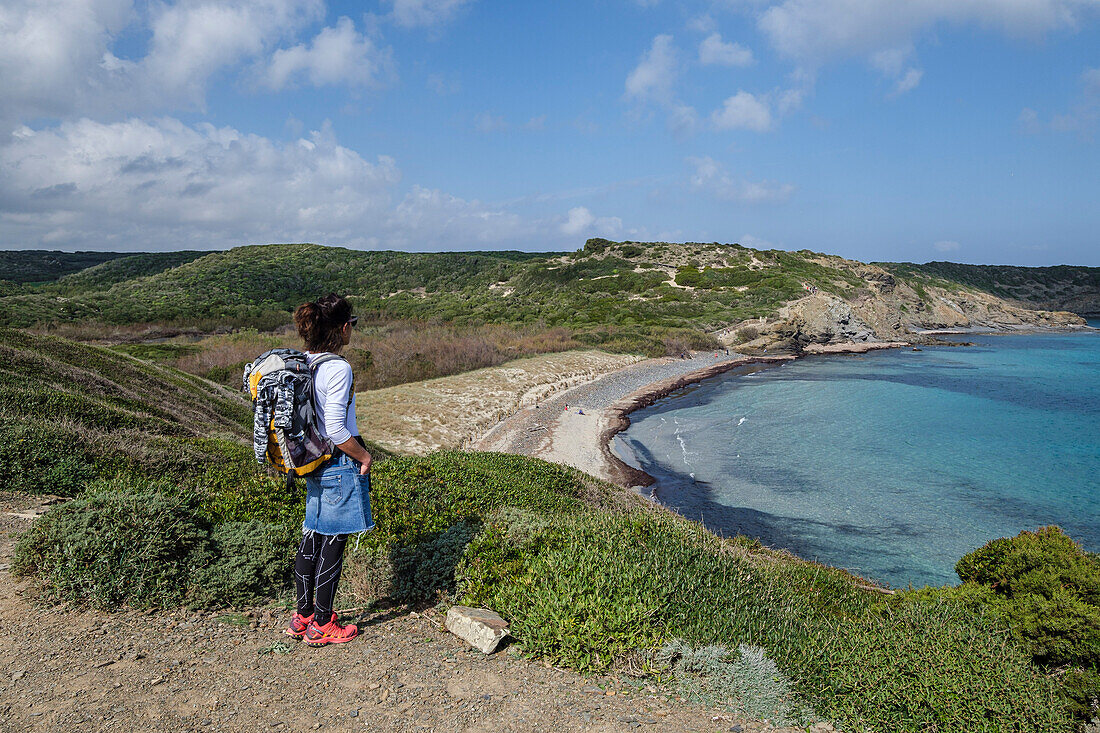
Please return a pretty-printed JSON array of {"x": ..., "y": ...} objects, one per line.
[
  {"x": 330, "y": 633},
  {"x": 298, "y": 625}
]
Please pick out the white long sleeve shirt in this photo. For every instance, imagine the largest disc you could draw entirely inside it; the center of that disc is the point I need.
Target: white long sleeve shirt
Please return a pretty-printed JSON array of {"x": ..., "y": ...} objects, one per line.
[{"x": 335, "y": 401}]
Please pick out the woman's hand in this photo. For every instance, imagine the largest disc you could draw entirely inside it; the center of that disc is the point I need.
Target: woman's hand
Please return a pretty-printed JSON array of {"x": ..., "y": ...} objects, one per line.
[{"x": 353, "y": 450}]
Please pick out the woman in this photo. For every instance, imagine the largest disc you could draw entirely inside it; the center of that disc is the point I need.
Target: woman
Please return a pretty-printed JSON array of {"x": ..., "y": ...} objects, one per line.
[{"x": 337, "y": 495}]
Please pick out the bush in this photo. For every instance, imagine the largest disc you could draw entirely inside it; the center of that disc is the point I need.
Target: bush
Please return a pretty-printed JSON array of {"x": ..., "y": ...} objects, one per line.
[
  {"x": 149, "y": 546},
  {"x": 116, "y": 546},
  {"x": 34, "y": 462},
  {"x": 1047, "y": 588},
  {"x": 748, "y": 333},
  {"x": 428, "y": 509},
  {"x": 748, "y": 681},
  {"x": 250, "y": 561}
]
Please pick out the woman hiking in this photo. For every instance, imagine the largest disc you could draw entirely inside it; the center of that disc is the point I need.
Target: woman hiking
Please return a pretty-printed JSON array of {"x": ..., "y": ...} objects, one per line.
[{"x": 337, "y": 494}]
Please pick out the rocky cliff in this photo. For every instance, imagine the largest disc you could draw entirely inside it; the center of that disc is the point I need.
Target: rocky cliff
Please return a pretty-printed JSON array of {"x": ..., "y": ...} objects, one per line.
[{"x": 889, "y": 308}]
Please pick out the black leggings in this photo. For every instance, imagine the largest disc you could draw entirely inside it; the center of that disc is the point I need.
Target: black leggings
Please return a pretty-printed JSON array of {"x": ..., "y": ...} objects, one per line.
[{"x": 317, "y": 572}]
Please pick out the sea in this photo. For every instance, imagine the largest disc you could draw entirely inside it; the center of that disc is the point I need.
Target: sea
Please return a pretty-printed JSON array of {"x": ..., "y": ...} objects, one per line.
[{"x": 892, "y": 464}]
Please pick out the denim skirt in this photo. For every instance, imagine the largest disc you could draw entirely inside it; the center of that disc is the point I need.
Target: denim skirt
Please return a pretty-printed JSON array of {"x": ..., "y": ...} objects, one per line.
[{"x": 338, "y": 499}]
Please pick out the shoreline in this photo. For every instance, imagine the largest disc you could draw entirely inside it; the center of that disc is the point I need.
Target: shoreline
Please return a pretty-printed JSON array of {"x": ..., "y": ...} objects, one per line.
[
  {"x": 581, "y": 437},
  {"x": 619, "y": 411}
]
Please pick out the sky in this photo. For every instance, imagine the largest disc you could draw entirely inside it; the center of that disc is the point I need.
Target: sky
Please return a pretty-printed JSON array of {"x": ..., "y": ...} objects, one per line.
[{"x": 961, "y": 130}]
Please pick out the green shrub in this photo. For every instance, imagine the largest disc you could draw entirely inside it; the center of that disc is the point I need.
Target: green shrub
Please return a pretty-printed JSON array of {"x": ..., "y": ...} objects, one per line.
[
  {"x": 117, "y": 545},
  {"x": 427, "y": 510},
  {"x": 414, "y": 572},
  {"x": 148, "y": 545},
  {"x": 1048, "y": 590},
  {"x": 251, "y": 560},
  {"x": 32, "y": 461}
]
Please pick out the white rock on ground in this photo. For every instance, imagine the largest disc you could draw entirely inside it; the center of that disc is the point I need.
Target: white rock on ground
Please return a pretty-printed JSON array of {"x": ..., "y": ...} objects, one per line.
[{"x": 479, "y": 627}]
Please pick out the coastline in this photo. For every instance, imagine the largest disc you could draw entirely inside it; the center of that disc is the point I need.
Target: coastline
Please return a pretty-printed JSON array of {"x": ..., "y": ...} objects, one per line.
[{"x": 576, "y": 427}]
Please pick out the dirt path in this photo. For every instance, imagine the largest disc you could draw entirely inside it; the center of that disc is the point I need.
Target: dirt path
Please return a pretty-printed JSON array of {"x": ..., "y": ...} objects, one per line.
[{"x": 64, "y": 669}]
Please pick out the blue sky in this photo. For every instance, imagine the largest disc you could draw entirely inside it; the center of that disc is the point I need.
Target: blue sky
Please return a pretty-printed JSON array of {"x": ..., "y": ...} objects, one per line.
[{"x": 931, "y": 129}]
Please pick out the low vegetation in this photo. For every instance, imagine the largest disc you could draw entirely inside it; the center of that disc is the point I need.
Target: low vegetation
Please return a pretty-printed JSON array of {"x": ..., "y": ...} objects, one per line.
[
  {"x": 170, "y": 509},
  {"x": 41, "y": 266}
]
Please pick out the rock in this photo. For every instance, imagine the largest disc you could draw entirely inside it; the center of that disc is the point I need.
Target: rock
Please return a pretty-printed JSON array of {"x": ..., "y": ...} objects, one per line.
[
  {"x": 18, "y": 675},
  {"x": 479, "y": 627}
]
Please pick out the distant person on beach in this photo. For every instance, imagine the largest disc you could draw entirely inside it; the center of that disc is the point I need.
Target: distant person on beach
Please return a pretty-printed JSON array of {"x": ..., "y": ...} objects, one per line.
[{"x": 337, "y": 494}]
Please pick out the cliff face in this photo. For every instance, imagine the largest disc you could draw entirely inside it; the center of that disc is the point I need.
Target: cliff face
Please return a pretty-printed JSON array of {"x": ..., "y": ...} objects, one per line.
[{"x": 889, "y": 308}]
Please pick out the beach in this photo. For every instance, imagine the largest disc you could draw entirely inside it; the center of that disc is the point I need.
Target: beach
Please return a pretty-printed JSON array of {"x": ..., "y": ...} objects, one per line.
[
  {"x": 575, "y": 427},
  {"x": 564, "y": 408}
]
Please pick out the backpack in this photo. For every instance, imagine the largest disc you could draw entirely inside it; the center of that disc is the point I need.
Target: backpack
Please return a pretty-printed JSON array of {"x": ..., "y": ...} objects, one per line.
[{"x": 284, "y": 420}]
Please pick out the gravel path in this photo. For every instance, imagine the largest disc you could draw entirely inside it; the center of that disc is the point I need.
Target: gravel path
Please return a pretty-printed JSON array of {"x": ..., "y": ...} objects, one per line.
[{"x": 65, "y": 669}]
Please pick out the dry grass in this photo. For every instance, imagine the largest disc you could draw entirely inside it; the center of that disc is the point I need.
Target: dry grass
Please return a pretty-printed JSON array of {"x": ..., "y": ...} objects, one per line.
[
  {"x": 452, "y": 412},
  {"x": 410, "y": 351},
  {"x": 383, "y": 353}
]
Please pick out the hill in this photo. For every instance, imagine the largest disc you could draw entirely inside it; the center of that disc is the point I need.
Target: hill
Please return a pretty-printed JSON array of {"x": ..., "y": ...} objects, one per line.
[
  {"x": 39, "y": 265},
  {"x": 72, "y": 413},
  {"x": 121, "y": 269},
  {"x": 626, "y": 296},
  {"x": 1063, "y": 287}
]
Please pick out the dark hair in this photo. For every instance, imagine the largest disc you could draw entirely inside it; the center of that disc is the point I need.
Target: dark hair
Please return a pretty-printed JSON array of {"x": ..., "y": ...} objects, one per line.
[{"x": 319, "y": 322}]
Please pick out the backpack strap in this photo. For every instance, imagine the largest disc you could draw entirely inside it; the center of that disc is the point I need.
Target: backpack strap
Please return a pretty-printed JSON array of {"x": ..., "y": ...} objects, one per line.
[{"x": 329, "y": 356}]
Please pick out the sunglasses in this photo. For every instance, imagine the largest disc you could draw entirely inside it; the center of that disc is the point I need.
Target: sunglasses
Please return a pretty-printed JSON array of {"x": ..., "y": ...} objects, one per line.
[{"x": 353, "y": 320}]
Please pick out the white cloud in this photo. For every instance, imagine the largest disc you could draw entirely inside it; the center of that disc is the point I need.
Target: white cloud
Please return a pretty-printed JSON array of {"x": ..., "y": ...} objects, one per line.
[
  {"x": 537, "y": 122},
  {"x": 432, "y": 219},
  {"x": 489, "y": 123},
  {"x": 337, "y": 55},
  {"x": 56, "y": 57},
  {"x": 742, "y": 111},
  {"x": 711, "y": 177},
  {"x": 814, "y": 31},
  {"x": 1085, "y": 113},
  {"x": 701, "y": 23},
  {"x": 682, "y": 120},
  {"x": 893, "y": 64},
  {"x": 1029, "y": 121},
  {"x": 752, "y": 242},
  {"x": 714, "y": 51},
  {"x": 425, "y": 13},
  {"x": 164, "y": 184},
  {"x": 192, "y": 40},
  {"x": 577, "y": 220},
  {"x": 908, "y": 82},
  {"x": 652, "y": 81},
  {"x": 580, "y": 220},
  {"x": 946, "y": 245},
  {"x": 656, "y": 72}
]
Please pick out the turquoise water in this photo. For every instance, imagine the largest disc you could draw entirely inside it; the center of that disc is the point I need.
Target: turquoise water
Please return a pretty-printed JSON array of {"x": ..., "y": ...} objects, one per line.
[{"x": 893, "y": 464}]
